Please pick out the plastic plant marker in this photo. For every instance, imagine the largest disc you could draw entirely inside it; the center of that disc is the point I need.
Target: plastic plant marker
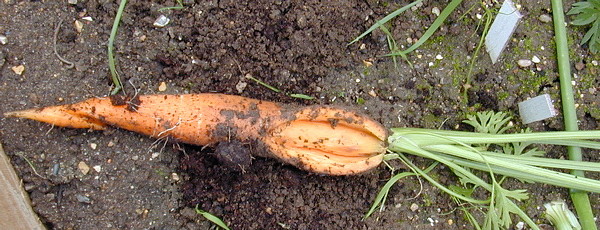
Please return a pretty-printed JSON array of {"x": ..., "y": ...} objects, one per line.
[
  {"x": 536, "y": 109},
  {"x": 502, "y": 29}
]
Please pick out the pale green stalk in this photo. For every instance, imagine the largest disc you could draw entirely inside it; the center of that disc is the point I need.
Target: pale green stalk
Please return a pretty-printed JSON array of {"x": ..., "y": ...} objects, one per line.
[
  {"x": 580, "y": 199},
  {"x": 426, "y": 137},
  {"x": 111, "y": 57}
]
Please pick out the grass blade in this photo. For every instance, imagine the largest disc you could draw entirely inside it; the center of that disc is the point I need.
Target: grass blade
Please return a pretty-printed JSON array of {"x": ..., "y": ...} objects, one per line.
[
  {"x": 212, "y": 218},
  {"x": 434, "y": 26},
  {"x": 385, "y": 20},
  {"x": 382, "y": 195}
]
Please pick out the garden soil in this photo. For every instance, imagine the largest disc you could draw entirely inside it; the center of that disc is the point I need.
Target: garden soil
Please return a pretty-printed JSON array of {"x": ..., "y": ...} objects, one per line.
[{"x": 116, "y": 179}]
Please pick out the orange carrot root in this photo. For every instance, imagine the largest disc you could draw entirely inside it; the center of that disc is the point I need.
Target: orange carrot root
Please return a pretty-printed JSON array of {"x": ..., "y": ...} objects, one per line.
[{"x": 320, "y": 139}]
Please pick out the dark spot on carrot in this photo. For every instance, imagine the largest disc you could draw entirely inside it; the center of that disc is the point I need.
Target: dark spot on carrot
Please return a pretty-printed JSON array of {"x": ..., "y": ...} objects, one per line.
[
  {"x": 117, "y": 100},
  {"x": 224, "y": 132},
  {"x": 351, "y": 120},
  {"x": 102, "y": 118},
  {"x": 333, "y": 122},
  {"x": 228, "y": 114},
  {"x": 233, "y": 155},
  {"x": 133, "y": 103}
]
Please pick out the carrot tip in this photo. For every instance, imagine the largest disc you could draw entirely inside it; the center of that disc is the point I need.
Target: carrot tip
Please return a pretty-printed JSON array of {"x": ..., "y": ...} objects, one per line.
[{"x": 57, "y": 116}]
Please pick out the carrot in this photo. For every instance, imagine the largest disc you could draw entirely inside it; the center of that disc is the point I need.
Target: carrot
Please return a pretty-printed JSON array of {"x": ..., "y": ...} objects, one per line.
[{"x": 320, "y": 139}]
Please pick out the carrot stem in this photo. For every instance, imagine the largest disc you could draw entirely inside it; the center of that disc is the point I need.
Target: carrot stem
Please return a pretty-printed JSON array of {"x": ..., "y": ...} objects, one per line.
[{"x": 581, "y": 200}]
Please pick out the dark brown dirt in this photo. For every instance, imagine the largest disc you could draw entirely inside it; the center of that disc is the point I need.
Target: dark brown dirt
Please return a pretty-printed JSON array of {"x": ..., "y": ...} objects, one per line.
[{"x": 297, "y": 46}]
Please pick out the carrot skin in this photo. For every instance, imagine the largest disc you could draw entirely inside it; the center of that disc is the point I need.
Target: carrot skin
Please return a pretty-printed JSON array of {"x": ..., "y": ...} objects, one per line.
[
  {"x": 191, "y": 118},
  {"x": 321, "y": 139}
]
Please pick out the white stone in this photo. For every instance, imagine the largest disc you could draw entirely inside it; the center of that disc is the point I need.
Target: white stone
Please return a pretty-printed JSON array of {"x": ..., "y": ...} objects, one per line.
[
  {"x": 435, "y": 11},
  {"x": 161, "y": 21},
  {"x": 545, "y": 18},
  {"x": 414, "y": 207},
  {"x": 524, "y": 63}
]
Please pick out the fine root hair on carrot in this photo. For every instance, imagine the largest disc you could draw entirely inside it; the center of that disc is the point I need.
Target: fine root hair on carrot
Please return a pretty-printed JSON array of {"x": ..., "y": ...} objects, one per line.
[{"x": 321, "y": 139}]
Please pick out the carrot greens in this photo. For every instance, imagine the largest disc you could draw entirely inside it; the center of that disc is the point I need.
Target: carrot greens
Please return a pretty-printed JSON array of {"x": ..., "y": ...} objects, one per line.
[{"x": 490, "y": 151}]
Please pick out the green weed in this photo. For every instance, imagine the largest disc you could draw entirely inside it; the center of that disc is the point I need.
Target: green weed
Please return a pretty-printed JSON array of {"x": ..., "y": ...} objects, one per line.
[{"x": 588, "y": 12}]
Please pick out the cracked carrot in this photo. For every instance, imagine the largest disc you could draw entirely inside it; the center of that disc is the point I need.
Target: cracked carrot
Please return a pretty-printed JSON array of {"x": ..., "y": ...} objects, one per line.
[{"x": 321, "y": 139}]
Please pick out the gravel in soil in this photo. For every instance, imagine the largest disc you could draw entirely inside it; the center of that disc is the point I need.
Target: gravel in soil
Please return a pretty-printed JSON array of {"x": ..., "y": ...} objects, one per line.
[{"x": 134, "y": 182}]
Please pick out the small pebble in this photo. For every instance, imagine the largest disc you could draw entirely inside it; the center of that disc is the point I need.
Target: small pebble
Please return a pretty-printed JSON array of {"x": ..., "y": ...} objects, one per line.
[
  {"x": 240, "y": 86},
  {"x": 93, "y": 145},
  {"x": 416, "y": 6},
  {"x": 174, "y": 176},
  {"x": 111, "y": 144},
  {"x": 372, "y": 93},
  {"x": 594, "y": 62},
  {"x": 83, "y": 199},
  {"x": 524, "y": 63},
  {"x": 78, "y": 26},
  {"x": 579, "y": 66},
  {"x": 29, "y": 187},
  {"x": 439, "y": 57},
  {"x": 535, "y": 59},
  {"x": 72, "y": 2},
  {"x": 545, "y": 18},
  {"x": 3, "y": 40},
  {"x": 520, "y": 225},
  {"x": 97, "y": 168},
  {"x": 161, "y": 21},
  {"x": 414, "y": 207},
  {"x": 162, "y": 87},
  {"x": 431, "y": 221},
  {"x": 18, "y": 69},
  {"x": 56, "y": 169},
  {"x": 367, "y": 63},
  {"x": 435, "y": 11},
  {"x": 83, "y": 168}
]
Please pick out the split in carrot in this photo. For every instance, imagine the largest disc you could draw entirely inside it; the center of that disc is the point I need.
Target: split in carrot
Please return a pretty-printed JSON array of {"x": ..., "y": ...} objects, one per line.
[{"x": 322, "y": 139}]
